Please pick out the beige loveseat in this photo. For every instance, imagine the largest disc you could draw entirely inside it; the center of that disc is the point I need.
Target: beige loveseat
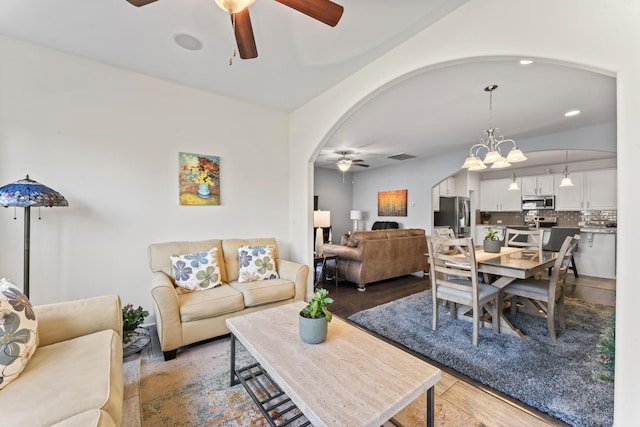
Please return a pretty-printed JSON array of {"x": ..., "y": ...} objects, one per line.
[
  {"x": 187, "y": 318},
  {"x": 74, "y": 378},
  {"x": 371, "y": 256}
]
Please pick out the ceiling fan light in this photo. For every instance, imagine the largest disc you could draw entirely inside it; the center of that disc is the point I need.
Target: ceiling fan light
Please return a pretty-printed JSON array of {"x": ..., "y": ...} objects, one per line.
[
  {"x": 234, "y": 6},
  {"x": 343, "y": 165},
  {"x": 492, "y": 156},
  {"x": 516, "y": 155},
  {"x": 500, "y": 163}
]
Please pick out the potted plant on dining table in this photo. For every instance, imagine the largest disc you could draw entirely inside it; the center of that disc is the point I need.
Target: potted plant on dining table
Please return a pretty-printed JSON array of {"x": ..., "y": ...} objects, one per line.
[{"x": 491, "y": 242}]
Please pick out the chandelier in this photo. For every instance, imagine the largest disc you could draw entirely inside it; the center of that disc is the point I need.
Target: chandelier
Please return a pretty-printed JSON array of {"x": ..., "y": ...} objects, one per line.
[{"x": 491, "y": 143}]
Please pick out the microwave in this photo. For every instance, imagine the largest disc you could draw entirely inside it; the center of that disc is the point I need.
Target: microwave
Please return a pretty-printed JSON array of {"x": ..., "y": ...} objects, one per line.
[{"x": 538, "y": 202}]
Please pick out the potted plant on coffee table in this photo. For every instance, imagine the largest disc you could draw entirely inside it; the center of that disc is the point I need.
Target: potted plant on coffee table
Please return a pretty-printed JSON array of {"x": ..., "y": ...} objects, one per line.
[
  {"x": 491, "y": 243},
  {"x": 314, "y": 318}
]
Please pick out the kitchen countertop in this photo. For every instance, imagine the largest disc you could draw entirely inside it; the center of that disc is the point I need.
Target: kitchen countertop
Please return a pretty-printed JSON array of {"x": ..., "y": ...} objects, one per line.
[
  {"x": 583, "y": 229},
  {"x": 600, "y": 230}
]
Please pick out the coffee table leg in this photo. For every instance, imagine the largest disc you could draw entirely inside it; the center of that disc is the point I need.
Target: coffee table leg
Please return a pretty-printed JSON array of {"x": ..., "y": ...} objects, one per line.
[
  {"x": 232, "y": 380},
  {"x": 431, "y": 406}
]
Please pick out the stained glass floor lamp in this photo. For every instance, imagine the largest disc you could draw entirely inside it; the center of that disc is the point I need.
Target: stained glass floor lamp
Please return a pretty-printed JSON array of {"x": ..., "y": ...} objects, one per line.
[{"x": 27, "y": 193}]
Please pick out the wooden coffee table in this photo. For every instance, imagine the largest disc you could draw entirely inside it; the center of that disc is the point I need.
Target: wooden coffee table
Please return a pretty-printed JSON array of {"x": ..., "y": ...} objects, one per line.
[{"x": 351, "y": 379}]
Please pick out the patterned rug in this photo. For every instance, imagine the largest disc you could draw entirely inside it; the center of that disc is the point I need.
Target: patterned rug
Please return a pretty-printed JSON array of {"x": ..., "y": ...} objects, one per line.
[
  {"x": 552, "y": 376},
  {"x": 193, "y": 390}
]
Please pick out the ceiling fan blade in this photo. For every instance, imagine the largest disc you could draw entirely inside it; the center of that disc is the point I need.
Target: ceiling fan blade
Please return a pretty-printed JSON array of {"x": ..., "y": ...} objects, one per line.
[
  {"x": 357, "y": 161},
  {"x": 322, "y": 10},
  {"x": 244, "y": 34},
  {"x": 139, "y": 3},
  {"x": 360, "y": 164}
]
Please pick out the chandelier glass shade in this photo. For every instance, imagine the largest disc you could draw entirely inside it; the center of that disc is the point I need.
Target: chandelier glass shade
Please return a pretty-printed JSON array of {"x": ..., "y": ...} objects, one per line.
[{"x": 490, "y": 146}]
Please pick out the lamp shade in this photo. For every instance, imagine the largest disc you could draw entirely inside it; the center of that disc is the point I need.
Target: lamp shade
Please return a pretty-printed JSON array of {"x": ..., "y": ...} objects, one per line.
[
  {"x": 322, "y": 218},
  {"x": 355, "y": 215},
  {"x": 27, "y": 192}
]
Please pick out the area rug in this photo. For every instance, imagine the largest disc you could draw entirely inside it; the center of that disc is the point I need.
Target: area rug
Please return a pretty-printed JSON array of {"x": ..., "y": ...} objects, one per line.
[
  {"x": 193, "y": 390},
  {"x": 553, "y": 377}
]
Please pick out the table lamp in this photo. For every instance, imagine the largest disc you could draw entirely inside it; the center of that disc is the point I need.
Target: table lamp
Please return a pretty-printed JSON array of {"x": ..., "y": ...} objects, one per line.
[
  {"x": 355, "y": 216},
  {"x": 321, "y": 219}
]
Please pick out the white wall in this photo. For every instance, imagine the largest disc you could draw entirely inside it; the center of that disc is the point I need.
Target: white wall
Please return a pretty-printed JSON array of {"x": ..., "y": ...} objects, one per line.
[
  {"x": 108, "y": 140},
  {"x": 563, "y": 31}
]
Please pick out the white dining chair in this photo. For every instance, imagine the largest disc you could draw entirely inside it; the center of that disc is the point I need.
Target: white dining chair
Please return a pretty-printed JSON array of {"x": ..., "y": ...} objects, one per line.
[
  {"x": 529, "y": 239},
  {"x": 454, "y": 278},
  {"x": 543, "y": 295}
]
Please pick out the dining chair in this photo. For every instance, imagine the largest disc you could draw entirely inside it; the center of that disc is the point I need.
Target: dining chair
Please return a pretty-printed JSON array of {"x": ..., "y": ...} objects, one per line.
[
  {"x": 454, "y": 278},
  {"x": 546, "y": 296},
  {"x": 556, "y": 238},
  {"x": 445, "y": 232},
  {"x": 530, "y": 239}
]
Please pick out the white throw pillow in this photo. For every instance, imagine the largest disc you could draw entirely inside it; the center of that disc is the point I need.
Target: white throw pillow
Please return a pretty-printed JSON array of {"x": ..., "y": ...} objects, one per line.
[
  {"x": 198, "y": 271},
  {"x": 257, "y": 262},
  {"x": 18, "y": 332}
]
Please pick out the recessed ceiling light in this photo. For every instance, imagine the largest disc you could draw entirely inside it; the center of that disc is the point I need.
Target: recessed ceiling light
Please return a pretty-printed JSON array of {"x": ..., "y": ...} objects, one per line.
[
  {"x": 526, "y": 62},
  {"x": 187, "y": 41},
  {"x": 572, "y": 113}
]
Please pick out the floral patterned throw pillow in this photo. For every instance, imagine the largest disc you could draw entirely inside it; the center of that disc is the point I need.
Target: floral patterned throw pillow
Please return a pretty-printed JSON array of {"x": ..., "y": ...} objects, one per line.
[
  {"x": 257, "y": 263},
  {"x": 18, "y": 332},
  {"x": 198, "y": 271}
]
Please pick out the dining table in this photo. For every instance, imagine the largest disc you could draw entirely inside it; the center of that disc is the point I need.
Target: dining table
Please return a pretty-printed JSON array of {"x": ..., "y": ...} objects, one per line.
[{"x": 511, "y": 263}]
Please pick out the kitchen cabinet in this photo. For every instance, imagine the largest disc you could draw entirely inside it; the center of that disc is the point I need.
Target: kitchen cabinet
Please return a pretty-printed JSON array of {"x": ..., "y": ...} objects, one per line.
[
  {"x": 448, "y": 187},
  {"x": 538, "y": 185},
  {"x": 601, "y": 189},
  {"x": 596, "y": 254},
  {"x": 495, "y": 196},
  {"x": 435, "y": 198},
  {"x": 593, "y": 190}
]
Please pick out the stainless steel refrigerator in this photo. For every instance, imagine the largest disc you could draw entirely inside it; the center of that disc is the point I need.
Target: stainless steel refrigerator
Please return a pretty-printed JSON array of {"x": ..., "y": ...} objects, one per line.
[{"x": 455, "y": 212}]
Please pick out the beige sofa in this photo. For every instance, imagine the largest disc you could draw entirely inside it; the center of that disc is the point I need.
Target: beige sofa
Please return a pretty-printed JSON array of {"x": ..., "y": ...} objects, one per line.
[
  {"x": 371, "y": 256},
  {"x": 187, "y": 318},
  {"x": 74, "y": 378}
]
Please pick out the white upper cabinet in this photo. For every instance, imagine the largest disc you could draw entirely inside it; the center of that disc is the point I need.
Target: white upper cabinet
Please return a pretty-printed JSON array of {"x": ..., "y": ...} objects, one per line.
[
  {"x": 593, "y": 190},
  {"x": 448, "y": 187},
  {"x": 601, "y": 189},
  {"x": 571, "y": 198},
  {"x": 495, "y": 196},
  {"x": 538, "y": 185}
]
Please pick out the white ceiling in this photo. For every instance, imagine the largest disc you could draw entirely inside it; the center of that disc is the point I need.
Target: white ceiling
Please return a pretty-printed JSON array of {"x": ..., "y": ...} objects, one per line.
[
  {"x": 448, "y": 109},
  {"x": 298, "y": 57},
  {"x": 432, "y": 112}
]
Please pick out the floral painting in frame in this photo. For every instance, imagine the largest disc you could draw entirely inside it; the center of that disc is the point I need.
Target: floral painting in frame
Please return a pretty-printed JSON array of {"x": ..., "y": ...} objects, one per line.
[
  {"x": 392, "y": 203},
  {"x": 199, "y": 179}
]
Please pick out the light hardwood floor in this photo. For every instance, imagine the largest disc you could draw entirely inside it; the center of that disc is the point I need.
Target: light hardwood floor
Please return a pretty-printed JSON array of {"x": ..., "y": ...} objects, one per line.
[{"x": 453, "y": 393}]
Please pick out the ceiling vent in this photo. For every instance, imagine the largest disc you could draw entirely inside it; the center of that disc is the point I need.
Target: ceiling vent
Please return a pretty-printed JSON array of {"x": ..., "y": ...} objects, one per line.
[{"x": 401, "y": 156}]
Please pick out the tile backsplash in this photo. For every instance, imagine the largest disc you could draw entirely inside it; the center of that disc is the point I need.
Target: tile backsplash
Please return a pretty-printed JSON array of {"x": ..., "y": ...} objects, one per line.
[{"x": 565, "y": 218}]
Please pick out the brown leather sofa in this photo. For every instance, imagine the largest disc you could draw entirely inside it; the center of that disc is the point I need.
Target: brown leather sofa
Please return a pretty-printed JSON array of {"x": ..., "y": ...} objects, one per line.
[{"x": 371, "y": 256}]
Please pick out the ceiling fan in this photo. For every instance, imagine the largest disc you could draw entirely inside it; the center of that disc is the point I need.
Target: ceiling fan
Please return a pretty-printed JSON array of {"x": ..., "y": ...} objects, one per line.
[
  {"x": 345, "y": 163},
  {"x": 324, "y": 11}
]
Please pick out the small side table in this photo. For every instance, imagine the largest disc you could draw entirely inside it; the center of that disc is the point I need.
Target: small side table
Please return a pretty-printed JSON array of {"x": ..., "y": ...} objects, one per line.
[{"x": 322, "y": 260}]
